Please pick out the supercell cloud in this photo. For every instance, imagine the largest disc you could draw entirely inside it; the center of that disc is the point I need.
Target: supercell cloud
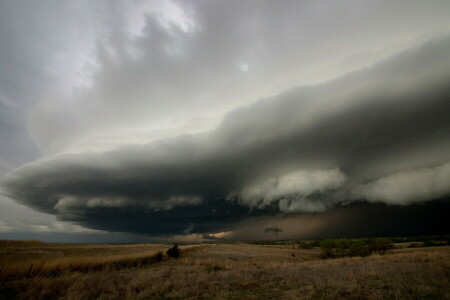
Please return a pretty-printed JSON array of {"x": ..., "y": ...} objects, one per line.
[{"x": 199, "y": 118}]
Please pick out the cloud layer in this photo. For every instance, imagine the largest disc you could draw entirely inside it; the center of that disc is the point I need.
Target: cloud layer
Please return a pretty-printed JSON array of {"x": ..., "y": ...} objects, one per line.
[
  {"x": 408, "y": 187},
  {"x": 304, "y": 150},
  {"x": 202, "y": 118},
  {"x": 291, "y": 191}
]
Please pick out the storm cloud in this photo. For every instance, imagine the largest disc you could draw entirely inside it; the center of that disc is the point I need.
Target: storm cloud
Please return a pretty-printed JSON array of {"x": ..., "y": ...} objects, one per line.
[
  {"x": 207, "y": 117},
  {"x": 409, "y": 186},
  {"x": 306, "y": 150}
]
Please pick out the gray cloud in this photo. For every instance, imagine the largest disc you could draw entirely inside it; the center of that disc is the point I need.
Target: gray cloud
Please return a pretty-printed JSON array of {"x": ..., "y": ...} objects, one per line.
[
  {"x": 171, "y": 72},
  {"x": 42, "y": 52},
  {"x": 291, "y": 190},
  {"x": 408, "y": 187},
  {"x": 185, "y": 117},
  {"x": 41, "y": 45},
  {"x": 302, "y": 150}
]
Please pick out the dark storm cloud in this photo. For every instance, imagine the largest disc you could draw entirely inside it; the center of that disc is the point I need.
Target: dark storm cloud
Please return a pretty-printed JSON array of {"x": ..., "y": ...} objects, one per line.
[
  {"x": 375, "y": 220},
  {"x": 305, "y": 150},
  {"x": 354, "y": 221}
]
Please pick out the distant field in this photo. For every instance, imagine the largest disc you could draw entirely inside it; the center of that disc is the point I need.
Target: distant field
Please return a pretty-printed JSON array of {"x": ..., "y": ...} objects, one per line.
[{"x": 35, "y": 270}]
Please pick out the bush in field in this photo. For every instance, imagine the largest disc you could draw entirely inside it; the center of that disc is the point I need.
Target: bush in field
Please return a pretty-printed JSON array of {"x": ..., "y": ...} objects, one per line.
[
  {"x": 347, "y": 248},
  {"x": 328, "y": 247},
  {"x": 415, "y": 245},
  {"x": 358, "y": 248},
  {"x": 214, "y": 268},
  {"x": 305, "y": 245},
  {"x": 315, "y": 243},
  {"x": 380, "y": 245},
  {"x": 342, "y": 247},
  {"x": 174, "y": 251},
  {"x": 335, "y": 248}
]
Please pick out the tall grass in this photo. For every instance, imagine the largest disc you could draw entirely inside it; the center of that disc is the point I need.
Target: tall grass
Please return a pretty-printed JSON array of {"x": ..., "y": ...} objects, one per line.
[
  {"x": 242, "y": 271},
  {"x": 58, "y": 266}
]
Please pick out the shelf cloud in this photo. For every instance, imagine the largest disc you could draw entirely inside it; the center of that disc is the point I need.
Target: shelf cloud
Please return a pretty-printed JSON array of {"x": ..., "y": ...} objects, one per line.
[
  {"x": 200, "y": 118},
  {"x": 409, "y": 186},
  {"x": 304, "y": 150}
]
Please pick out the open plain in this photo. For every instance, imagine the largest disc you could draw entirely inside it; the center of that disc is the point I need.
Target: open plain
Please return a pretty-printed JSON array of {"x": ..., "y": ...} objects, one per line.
[{"x": 36, "y": 270}]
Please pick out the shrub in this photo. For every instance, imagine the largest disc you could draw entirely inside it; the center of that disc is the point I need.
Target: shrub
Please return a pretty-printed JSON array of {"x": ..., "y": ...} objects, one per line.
[
  {"x": 214, "y": 268},
  {"x": 380, "y": 245},
  {"x": 415, "y": 245},
  {"x": 305, "y": 245},
  {"x": 174, "y": 251},
  {"x": 357, "y": 248},
  {"x": 345, "y": 247},
  {"x": 327, "y": 246}
]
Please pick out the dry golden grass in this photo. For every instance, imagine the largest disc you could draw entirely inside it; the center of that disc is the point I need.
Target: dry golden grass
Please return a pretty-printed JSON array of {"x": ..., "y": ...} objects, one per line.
[
  {"x": 239, "y": 271},
  {"x": 30, "y": 258}
]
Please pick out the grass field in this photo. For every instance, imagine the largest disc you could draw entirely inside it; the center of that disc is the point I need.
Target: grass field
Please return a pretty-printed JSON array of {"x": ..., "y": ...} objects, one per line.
[{"x": 36, "y": 270}]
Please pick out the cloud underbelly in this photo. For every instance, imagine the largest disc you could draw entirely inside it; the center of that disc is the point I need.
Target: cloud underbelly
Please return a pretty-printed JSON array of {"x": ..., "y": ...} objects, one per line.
[
  {"x": 305, "y": 150},
  {"x": 293, "y": 192}
]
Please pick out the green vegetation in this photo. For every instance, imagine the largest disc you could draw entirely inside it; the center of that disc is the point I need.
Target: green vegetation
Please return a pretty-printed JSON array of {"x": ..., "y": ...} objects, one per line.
[
  {"x": 214, "y": 268},
  {"x": 348, "y": 248},
  {"x": 371, "y": 243}
]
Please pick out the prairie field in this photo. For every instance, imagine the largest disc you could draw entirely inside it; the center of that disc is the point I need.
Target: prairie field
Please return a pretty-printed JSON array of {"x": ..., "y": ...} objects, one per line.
[{"x": 37, "y": 270}]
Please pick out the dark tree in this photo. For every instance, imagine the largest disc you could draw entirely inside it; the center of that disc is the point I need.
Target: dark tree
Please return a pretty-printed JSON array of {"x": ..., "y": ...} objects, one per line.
[{"x": 174, "y": 251}]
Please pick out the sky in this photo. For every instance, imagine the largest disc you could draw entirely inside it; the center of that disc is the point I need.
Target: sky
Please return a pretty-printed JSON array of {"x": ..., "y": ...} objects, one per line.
[{"x": 141, "y": 121}]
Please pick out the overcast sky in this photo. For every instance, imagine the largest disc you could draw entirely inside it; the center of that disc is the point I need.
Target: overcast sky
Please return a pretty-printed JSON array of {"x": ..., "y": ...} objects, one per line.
[{"x": 124, "y": 121}]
